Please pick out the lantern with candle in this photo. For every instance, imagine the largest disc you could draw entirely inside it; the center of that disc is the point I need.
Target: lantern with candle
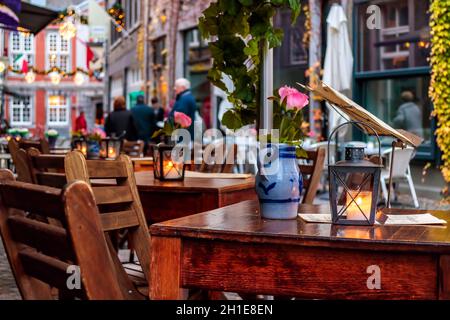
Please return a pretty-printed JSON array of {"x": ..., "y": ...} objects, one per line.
[
  {"x": 354, "y": 183},
  {"x": 110, "y": 148},
  {"x": 168, "y": 159},
  {"x": 166, "y": 166},
  {"x": 80, "y": 144}
]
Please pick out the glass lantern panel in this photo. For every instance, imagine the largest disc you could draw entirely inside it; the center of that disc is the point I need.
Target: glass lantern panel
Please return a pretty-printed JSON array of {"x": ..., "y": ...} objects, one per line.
[
  {"x": 354, "y": 191},
  {"x": 172, "y": 169}
]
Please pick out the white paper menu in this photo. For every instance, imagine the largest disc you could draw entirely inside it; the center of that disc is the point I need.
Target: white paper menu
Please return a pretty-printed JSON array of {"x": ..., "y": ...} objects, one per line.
[{"x": 391, "y": 219}]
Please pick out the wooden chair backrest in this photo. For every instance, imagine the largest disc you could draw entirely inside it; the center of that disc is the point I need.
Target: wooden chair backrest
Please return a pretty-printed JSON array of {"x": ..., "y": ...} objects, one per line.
[
  {"x": 133, "y": 148},
  {"x": 42, "y": 256},
  {"x": 20, "y": 160},
  {"x": 119, "y": 204},
  {"x": 42, "y": 145},
  {"x": 312, "y": 173},
  {"x": 46, "y": 169},
  {"x": 219, "y": 158}
]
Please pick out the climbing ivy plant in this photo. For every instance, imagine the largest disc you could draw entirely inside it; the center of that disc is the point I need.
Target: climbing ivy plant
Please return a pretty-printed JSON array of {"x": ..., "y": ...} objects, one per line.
[
  {"x": 238, "y": 30},
  {"x": 440, "y": 79}
]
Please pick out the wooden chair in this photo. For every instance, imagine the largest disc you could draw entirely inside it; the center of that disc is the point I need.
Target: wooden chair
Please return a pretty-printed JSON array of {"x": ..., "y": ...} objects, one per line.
[
  {"x": 41, "y": 145},
  {"x": 118, "y": 202},
  {"x": 226, "y": 158},
  {"x": 133, "y": 148},
  {"x": 41, "y": 255},
  {"x": 312, "y": 173},
  {"x": 20, "y": 160},
  {"x": 46, "y": 169}
]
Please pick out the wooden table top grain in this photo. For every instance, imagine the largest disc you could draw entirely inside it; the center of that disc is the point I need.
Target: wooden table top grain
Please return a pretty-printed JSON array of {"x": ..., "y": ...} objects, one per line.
[
  {"x": 146, "y": 182},
  {"x": 243, "y": 223},
  {"x": 233, "y": 249}
]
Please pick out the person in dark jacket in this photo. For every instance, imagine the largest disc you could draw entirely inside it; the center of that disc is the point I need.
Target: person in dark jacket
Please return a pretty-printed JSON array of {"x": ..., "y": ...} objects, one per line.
[
  {"x": 120, "y": 122},
  {"x": 158, "y": 110},
  {"x": 185, "y": 102},
  {"x": 144, "y": 118}
]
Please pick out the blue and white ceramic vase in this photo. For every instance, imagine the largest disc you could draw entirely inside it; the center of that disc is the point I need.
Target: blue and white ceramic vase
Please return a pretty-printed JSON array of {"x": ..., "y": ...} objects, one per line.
[
  {"x": 93, "y": 150},
  {"x": 279, "y": 182}
]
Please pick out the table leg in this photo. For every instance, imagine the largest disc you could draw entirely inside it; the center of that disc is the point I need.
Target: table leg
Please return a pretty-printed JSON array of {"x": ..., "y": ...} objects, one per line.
[
  {"x": 444, "y": 277},
  {"x": 165, "y": 273}
]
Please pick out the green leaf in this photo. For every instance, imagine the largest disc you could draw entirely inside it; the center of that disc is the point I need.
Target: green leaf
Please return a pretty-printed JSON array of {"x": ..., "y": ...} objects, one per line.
[
  {"x": 158, "y": 133},
  {"x": 296, "y": 9},
  {"x": 231, "y": 120},
  {"x": 246, "y": 3},
  {"x": 275, "y": 37},
  {"x": 301, "y": 153}
]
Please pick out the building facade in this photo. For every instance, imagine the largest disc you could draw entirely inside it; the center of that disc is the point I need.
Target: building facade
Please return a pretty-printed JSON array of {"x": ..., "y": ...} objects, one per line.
[
  {"x": 40, "y": 102},
  {"x": 126, "y": 54},
  {"x": 389, "y": 59}
]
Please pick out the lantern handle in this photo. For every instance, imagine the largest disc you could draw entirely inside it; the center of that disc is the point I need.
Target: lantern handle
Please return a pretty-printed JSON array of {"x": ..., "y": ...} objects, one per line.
[{"x": 354, "y": 123}]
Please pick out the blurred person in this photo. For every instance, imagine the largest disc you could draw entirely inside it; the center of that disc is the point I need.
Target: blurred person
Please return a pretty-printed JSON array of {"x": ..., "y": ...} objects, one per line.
[
  {"x": 158, "y": 110},
  {"x": 80, "y": 123},
  {"x": 185, "y": 102},
  {"x": 120, "y": 122},
  {"x": 409, "y": 115},
  {"x": 144, "y": 119}
]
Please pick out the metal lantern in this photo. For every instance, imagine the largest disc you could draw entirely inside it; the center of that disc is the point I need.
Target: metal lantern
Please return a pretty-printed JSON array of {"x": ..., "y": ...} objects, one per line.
[
  {"x": 166, "y": 168},
  {"x": 354, "y": 184},
  {"x": 110, "y": 148},
  {"x": 80, "y": 145}
]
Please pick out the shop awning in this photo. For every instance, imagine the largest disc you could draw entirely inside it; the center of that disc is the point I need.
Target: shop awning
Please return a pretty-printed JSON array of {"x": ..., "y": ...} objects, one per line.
[
  {"x": 34, "y": 18},
  {"x": 17, "y": 15}
]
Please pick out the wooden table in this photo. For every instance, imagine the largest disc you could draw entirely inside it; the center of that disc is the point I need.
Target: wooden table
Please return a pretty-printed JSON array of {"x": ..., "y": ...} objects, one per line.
[
  {"x": 233, "y": 249},
  {"x": 165, "y": 200}
]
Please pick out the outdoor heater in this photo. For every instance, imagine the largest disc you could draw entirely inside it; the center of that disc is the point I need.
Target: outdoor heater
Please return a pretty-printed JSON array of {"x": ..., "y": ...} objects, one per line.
[
  {"x": 165, "y": 167},
  {"x": 354, "y": 183}
]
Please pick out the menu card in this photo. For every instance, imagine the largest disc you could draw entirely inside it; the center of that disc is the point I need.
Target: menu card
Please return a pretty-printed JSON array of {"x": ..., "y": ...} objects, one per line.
[{"x": 383, "y": 219}]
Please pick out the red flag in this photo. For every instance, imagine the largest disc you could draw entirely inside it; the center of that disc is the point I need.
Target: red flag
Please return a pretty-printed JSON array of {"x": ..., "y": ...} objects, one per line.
[
  {"x": 90, "y": 56},
  {"x": 25, "y": 66}
]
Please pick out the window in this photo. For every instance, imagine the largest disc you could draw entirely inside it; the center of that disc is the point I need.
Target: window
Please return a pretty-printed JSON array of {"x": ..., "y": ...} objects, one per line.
[
  {"x": 132, "y": 13},
  {"x": 58, "y": 52},
  {"x": 58, "y": 110},
  {"x": 392, "y": 74},
  {"x": 197, "y": 59},
  {"x": 401, "y": 102},
  {"x": 291, "y": 59},
  {"x": 21, "y": 44},
  {"x": 159, "y": 53},
  {"x": 20, "y": 111},
  {"x": 403, "y": 40}
]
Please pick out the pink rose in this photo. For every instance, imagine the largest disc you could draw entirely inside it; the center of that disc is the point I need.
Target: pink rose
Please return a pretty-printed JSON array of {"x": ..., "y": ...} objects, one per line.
[
  {"x": 294, "y": 98},
  {"x": 99, "y": 132},
  {"x": 182, "y": 119}
]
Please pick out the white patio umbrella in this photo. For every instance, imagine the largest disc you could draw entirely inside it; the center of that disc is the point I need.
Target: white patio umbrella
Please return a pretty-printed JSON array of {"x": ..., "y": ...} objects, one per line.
[{"x": 338, "y": 59}]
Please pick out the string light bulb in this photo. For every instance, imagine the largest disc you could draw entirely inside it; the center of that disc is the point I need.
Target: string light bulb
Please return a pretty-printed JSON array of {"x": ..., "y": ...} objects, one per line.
[
  {"x": 55, "y": 78},
  {"x": 68, "y": 30},
  {"x": 79, "y": 79},
  {"x": 30, "y": 77},
  {"x": 2, "y": 67}
]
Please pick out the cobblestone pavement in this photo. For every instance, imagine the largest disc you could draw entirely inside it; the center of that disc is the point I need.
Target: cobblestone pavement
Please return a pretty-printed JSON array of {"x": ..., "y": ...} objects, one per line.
[{"x": 8, "y": 289}]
